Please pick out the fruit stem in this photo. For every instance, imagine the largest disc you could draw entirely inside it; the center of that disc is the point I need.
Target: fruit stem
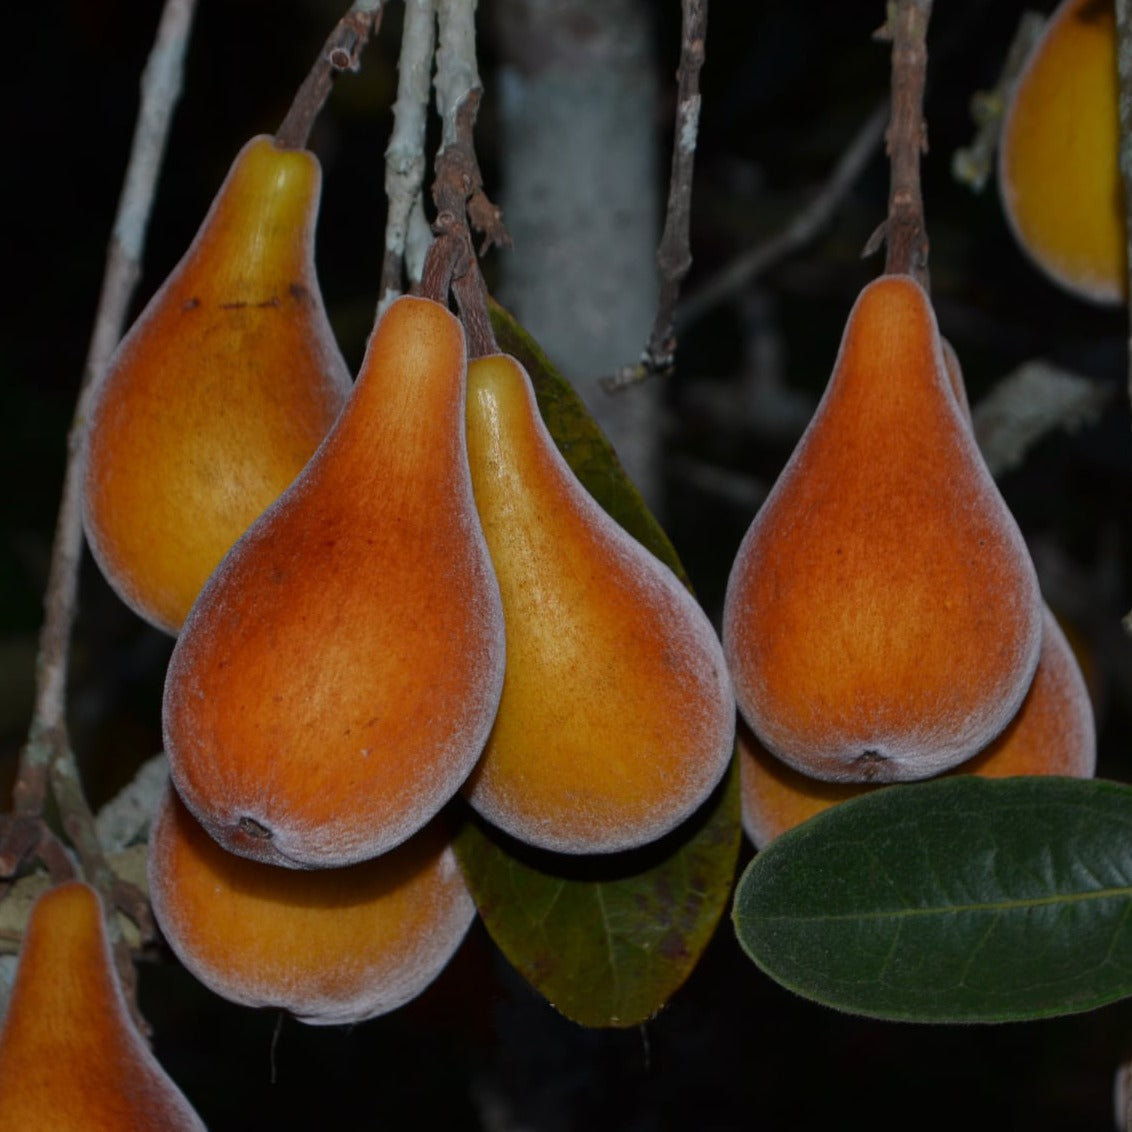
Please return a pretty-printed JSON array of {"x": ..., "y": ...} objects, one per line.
[
  {"x": 341, "y": 52},
  {"x": 458, "y": 194},
  {"x": 904, "y": 231}
]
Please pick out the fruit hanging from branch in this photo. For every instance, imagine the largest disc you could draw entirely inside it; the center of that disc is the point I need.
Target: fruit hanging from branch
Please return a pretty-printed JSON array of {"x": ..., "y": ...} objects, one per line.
[
  {"x": 1058, "y": 170},
  {"x": 331, "y": 946},
  {"x": 882, "y": 619},
  {"x": 220, "y": 392},
  {"x": 337, "y": 678},
  {"x": 71, "y": 1058},
  {"x": 617, "y": 718},
  {"x": 1054, "y": 732}
]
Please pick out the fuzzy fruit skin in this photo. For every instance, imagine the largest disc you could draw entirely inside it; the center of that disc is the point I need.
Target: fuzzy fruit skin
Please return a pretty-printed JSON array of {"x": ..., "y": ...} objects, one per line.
[
  {"x": 617, "y": 718},
  {"x": 882, "y": 619},
  {"x": 336, "y": 680},
  {"x": 1058, "y": 159},
  {"x": 219, "y": 393},
  {"x": 71, "y": 1059},
  {"x": 1054, "y": 732},
  {"x": 332, "y": 946}
]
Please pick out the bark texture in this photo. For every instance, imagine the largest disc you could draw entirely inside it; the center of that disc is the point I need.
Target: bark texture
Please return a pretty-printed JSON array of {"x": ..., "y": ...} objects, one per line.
[{"x": 581, "y": 196}]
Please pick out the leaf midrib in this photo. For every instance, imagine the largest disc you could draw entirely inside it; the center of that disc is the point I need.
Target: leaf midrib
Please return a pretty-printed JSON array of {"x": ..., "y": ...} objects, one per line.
[{"x": 1124, "y": 892}]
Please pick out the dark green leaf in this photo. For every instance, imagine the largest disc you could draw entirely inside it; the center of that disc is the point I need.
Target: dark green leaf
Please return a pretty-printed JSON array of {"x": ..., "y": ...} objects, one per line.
[
  {"x": 607, "y": 940},
  {"x": 957, "y": 900}
]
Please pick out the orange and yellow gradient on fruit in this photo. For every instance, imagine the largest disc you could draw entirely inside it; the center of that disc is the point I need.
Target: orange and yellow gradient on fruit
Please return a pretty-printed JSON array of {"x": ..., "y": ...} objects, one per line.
[
  {"x": 71, "y": 1058},
  {"x": 1059, "y": 172},
  {"x": 338, "y": 676},
  {"x": 617, "y": 717},
  {"x": 882, "y": 620},
  {"x": 330, "y": 946},
  {"x": 217, "y": 396},
  {"x": 1054, "y": 732}
]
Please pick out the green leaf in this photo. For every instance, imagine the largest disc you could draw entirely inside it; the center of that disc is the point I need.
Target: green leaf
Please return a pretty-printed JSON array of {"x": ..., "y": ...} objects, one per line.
[
  {"x": 957, "y": 900},
  {"x": 607, "y": 940}
]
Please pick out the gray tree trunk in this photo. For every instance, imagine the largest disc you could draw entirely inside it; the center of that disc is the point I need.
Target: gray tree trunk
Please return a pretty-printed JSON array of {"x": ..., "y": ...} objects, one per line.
[{"x": 580, "y": 193}]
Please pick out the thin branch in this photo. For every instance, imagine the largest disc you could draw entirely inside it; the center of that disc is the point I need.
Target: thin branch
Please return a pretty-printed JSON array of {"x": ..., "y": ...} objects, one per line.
[
  {"x": 803, "y": 228},
  {"x": 47, "y": 759},
  {"x": 417, "y": 242},
  {"x": 674, "y": 255},
  {"x": 972, "y": 165},
  {"x": 904, "y": 232},
  {"x": 457, "y": 72},
  {"x": 160, "y": 89},
  {"x": 458, "y": 94},
  {"x": 341, "y": 52},
  {"x": 405, "y": 156}
]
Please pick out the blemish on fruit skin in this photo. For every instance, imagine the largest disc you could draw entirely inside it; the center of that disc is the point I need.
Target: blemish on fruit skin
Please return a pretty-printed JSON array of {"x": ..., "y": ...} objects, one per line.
[
  {"x": 253, "y": 828},
  {"x": 241, "y": 304},
  {"x": 870, "y": 764},
  {"x": 190, "y": 304}
]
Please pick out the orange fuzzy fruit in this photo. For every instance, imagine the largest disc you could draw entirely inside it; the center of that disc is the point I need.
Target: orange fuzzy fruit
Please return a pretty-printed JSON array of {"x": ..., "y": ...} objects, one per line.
[
  {"x": 882, "y": 619},
  {"x": 330, "y": 946},
  {"x": 71, "y": 1058},
  {"x": 219, "y": 393},
  {"x": 1058, "y": 171},
  {"x": 1053, "y": 733},
  {"x": 617, "y": 718},
  {"x": 337, "y": 678}
]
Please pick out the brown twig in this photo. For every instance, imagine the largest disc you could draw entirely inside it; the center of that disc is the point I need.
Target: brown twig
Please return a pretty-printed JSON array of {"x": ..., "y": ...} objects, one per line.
[
  {"x": 674, "y": 255},
  {"x": 451, "y": 261},
  {"x": 457, "y": 189},
  {"x": 341, "y": 52},
  {"x": 804, "y": 226},
  {"x": 904, "y": 232}
]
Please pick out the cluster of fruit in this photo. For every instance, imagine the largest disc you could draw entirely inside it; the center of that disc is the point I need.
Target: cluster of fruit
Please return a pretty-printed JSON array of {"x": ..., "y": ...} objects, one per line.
[
  {"x": 863, "y": 598},
  {"x": 384, "y": 594},
  {"x": 883, "y": 621},
  {"x": 390, "y": 592}
]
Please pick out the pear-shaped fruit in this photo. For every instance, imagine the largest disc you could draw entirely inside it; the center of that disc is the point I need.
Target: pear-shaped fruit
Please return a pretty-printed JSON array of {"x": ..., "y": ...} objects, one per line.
[
  {"x": 71, "y": 1059},
  {"x": 219, "y": 393},
  {"x": 1059, "y": 172},
  {"x": 616, "y": 719},
  {"x": 1054, "y": 732},
  {"x": 330, "y": 945},
  {"x": 335, "y": 682},
  {"x": 882, "y": 619}
]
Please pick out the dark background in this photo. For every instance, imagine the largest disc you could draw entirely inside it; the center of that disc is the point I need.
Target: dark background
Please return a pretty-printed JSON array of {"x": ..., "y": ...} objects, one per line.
[{"x": 785, "y": 87}]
